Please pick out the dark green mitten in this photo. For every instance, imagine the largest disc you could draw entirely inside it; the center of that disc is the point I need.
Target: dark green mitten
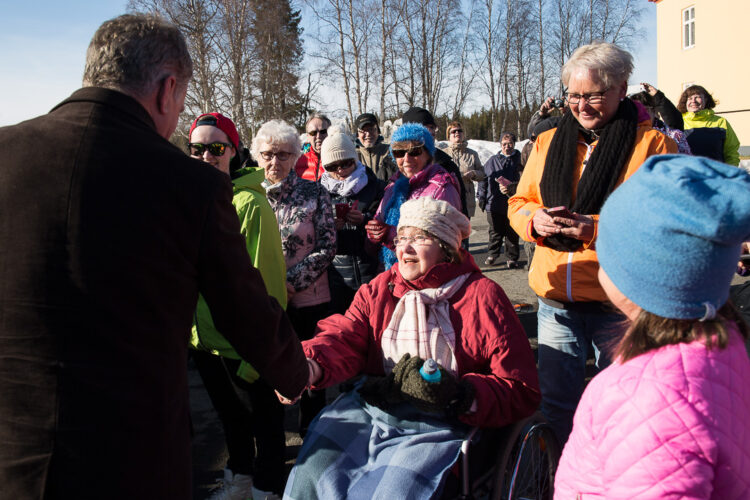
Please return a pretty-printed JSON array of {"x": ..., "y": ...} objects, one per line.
[
  {"x": 431, "y": 397},
  {"x": 380, "y": 391}
]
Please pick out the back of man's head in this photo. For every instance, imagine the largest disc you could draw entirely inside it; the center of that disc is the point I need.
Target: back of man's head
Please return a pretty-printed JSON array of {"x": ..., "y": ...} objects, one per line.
[{"x": 132, "y": 53}]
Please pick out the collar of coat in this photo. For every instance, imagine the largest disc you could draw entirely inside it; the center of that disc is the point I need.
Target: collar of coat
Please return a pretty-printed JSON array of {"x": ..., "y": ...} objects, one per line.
[
  {"x": 111, "y": 98},
  {"x": 437, "y": 275}
]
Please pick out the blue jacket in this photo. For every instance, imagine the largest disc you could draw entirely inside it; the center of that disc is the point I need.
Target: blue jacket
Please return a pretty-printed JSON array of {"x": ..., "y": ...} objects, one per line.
[{"x": 489, "y": 195}]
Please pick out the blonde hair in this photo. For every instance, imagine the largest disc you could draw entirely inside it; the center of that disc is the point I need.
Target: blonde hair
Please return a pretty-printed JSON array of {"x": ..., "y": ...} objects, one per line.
[{"x": 610, "y": 63}]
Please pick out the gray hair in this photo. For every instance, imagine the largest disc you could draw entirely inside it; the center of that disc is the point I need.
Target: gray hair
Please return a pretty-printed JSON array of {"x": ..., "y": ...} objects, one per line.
[
  {"x": 277, "y": 133},
  {"x": 320, "y": 117},
  {"x": 609, "y": 62},
  {"x": 132, "y": 53}
]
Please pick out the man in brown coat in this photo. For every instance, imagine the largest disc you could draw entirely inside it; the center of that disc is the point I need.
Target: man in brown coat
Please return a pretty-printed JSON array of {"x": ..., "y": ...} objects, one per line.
[{"x": 109, "y": 232}]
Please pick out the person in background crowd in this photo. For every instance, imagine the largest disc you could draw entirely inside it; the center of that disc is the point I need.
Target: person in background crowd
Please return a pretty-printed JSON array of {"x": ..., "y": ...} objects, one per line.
[
  {"x": 425, "y": 118},
  {"x": 656, "y": 105},
  {"x": 413, "y": 147},
  {"x": 371, "y": 149},
  {"x": 544, "y": 115},
  {"x": 101, "y": 276},
  {"x": 393, "y": 433},
  {"x": 502, "y": 172},
  {"x": 668, "y": 419},
  {"x": 308, "y": 237},
  {"x": 709, "y": 135},
  {"x": 356, "y": 194},
  {"x": 308, "y": 164},
  {"x": 467, "y": 160},
  {"x": 214, "y": 139},
  {"x": 598, "y": 144}
]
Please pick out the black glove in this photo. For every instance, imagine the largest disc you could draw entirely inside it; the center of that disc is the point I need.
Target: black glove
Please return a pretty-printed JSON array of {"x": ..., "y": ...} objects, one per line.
[
  {"x": 380, "y": 391},
  {"x": 482, "y": 204},
  {"x": 431, "y": 397}
]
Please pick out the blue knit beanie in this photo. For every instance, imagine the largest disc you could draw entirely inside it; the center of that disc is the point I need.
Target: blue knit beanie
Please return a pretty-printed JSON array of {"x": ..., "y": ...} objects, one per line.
[
  {"x": 669, "y": 238},
  {"x": 414, "y": 132}
]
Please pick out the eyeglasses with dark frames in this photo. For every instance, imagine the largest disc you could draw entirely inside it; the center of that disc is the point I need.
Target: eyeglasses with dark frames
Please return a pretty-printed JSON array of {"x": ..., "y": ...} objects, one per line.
[
  {"x": 215, "y": 148},
  {"x": 281, "y": 155},
  {"x": 591, "y": 97},
  {"x": 413, "y": 152}
]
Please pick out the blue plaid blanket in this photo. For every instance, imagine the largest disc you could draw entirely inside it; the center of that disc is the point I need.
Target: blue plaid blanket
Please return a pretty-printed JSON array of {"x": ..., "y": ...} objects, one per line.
[{"x": 356, "y": 451}]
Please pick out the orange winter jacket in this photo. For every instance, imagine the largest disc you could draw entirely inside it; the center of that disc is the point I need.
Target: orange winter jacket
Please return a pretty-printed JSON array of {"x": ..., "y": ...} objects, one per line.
[{"x": 571, "y": 276}]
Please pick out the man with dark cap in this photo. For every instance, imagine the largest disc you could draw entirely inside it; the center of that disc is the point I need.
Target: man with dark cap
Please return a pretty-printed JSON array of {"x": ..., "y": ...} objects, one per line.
[
  {"x": 101, "y": 273},
  {"x": 371, "y": 149},
  {"x": 421, "y": 115}
]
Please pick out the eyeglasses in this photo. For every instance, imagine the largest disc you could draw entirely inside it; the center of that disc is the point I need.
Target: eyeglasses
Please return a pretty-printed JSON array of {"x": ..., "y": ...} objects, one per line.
[
  {"x": 457, "y": 131},
  {"x": 591, "y": 97},
  {"x": 215, "y": 148},
  {"x": 413, "y": 152},
  {"x": 418, "y": 240},
  {"x": 317, "y": 132},
  {"x": 281, "y": 155},
  {"x": 343, "y": 165}
]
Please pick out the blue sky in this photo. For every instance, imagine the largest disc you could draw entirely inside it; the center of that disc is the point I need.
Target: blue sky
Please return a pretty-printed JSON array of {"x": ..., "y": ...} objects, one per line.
[{"x": 44, "y": 44}]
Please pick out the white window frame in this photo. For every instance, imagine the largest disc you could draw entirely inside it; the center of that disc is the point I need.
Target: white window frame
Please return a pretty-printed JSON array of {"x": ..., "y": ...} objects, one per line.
[{"x": 688, "y": 27}]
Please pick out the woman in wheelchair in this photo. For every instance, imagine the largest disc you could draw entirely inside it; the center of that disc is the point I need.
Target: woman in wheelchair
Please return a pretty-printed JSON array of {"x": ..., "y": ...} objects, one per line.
[{"x": 400, "y": 430}]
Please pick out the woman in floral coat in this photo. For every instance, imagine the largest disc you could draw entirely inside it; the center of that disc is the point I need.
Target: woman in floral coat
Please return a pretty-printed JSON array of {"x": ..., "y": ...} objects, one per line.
[{"x": 308, "y": 237}]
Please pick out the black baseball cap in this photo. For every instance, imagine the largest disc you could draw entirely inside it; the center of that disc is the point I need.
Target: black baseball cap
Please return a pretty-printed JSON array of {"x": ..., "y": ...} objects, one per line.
[{"x": 365, "y": 119}]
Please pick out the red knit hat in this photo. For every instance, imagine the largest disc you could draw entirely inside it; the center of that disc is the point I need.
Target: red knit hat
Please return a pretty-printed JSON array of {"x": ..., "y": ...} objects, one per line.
[{"x": 222, "y": 123}]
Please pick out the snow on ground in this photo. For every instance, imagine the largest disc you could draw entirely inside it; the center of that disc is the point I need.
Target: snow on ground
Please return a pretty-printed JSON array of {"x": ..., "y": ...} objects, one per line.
[{"x": 485, "y": 149}]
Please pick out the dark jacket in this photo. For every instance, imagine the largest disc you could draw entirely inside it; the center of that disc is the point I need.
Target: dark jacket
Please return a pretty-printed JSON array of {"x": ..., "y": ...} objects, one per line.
[
  {"x": 668, "y": 113},
  {"x": 108, "y": 234},
  {"x": 444, "y": 160},
  {"x": 489, "y": 195},
  {"x": 356, "y": 261}
]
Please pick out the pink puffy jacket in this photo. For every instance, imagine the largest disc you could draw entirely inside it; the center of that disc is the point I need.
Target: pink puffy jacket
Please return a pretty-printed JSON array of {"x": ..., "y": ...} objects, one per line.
[{"x": 671, "y": 423}]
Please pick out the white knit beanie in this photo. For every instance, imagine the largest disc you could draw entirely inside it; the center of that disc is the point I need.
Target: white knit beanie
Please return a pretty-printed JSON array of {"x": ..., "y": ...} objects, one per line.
[
  {"x": 436, "y": 217},
  {"x": 337, "y": 147}
]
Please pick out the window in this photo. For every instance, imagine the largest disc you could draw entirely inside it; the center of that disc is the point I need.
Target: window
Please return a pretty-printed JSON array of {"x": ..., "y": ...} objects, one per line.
[{"x": 688, "y": 28}]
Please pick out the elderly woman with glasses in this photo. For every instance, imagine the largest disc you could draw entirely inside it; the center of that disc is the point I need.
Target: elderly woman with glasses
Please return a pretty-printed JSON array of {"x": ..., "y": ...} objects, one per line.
[
  {"x": 397, "y": 431},
  {"x": 214, "y": 139},
  {"x": 356, "y": 193},
  {"x": 571, "y": 171},
  {"x": 413, "y": 148},
  {"x": 308, "y": 238}
]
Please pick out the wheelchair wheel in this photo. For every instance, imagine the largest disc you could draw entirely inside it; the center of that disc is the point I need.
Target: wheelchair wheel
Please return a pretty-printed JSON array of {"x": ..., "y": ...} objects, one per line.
[{"x": 527, "y": 465}]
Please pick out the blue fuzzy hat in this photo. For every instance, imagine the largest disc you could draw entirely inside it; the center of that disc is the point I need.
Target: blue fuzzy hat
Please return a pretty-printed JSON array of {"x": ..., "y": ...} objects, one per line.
[
  {"x": 414, "y": 132},
  {"x": 669, "y": 238}
]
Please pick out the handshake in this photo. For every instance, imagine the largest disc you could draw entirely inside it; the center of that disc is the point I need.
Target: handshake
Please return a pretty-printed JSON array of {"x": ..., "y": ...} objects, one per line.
[{"x": 445, "y": 394}]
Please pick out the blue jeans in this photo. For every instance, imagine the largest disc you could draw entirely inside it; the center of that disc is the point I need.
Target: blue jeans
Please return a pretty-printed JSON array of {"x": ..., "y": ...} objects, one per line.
[{"x": 565, "y": 336}]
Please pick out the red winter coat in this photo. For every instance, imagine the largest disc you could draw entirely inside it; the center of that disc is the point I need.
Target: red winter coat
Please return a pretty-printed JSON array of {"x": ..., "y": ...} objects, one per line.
[
  {"x": 308, "y": 166},
  {"x": 492, "y": 350}
]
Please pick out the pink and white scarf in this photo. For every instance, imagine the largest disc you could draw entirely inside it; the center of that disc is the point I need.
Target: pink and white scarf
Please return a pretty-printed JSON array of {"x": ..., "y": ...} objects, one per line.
[{"x": 421, "y": 326}]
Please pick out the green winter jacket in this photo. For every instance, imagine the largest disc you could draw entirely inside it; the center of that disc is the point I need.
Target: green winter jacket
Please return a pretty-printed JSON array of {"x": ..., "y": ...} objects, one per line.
[
  {"x": 261, "y": 231},
  {"x": 707, "y": 118}
]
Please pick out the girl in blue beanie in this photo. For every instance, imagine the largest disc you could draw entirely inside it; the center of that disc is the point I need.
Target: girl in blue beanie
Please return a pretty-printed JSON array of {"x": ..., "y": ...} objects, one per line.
[{"x": 669, "y": 418}]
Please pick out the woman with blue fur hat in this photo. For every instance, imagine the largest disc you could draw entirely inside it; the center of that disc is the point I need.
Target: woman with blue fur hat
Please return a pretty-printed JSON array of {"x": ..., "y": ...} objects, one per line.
[
  {"x": 413, "y": 148},
  {"x": 668, "y": 419}
]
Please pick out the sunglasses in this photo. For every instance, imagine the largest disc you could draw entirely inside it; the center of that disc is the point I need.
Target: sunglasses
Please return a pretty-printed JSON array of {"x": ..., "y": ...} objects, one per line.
[
  {"x": 343, "y": 165},
  {"x": 281, "y": 155},
  {"x": 318, "y": 132},
  {"x": 413, "y": 152},
  {"x": 456, "y": 131},
  {"x": 215, "y": 148}
]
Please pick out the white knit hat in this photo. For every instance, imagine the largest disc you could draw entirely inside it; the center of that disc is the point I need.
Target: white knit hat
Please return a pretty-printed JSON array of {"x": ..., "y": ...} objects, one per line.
[
  {"x": 436, "y": 217},
  {"x": 337, "y": 147}
]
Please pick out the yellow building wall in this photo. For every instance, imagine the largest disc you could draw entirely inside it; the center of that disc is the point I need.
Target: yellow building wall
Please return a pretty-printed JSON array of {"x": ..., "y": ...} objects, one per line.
[{"x": 719, "y": 61}]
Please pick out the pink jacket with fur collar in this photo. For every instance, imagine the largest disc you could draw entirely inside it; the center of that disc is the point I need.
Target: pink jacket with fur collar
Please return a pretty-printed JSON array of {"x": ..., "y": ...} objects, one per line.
[{"x": 673, "y": 423}]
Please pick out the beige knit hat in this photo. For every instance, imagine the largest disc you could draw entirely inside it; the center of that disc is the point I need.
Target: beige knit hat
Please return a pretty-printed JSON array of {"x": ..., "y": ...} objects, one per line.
[
  {"x": 337, "y": 147},
  {"x": 436, "y": 217}
]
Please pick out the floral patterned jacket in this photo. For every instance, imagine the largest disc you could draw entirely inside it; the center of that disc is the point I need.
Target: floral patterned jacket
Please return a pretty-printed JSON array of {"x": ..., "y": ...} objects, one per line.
[{"x": 308, "y": 237}]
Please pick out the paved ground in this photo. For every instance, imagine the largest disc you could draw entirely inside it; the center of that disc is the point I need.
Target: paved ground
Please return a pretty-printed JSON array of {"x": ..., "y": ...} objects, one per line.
[{"x": 209, "y": 454}]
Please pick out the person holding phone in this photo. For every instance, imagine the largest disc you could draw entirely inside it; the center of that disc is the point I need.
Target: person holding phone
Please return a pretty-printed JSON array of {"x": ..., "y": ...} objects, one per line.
[
  {"x": 594, "y": 148},
  {"x": 501, "y": 175},
  {"x": 356, "y": 193}
]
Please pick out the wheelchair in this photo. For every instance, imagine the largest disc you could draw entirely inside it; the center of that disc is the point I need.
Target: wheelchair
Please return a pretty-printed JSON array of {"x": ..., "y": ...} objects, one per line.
[{"x": 522, "y": 459}]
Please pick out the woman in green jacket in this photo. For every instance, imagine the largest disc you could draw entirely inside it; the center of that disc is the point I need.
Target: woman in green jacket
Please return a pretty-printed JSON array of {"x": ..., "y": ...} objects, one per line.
[
  {"x": 214, "y": 139},
  {"x": 708, "y": 134}
]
